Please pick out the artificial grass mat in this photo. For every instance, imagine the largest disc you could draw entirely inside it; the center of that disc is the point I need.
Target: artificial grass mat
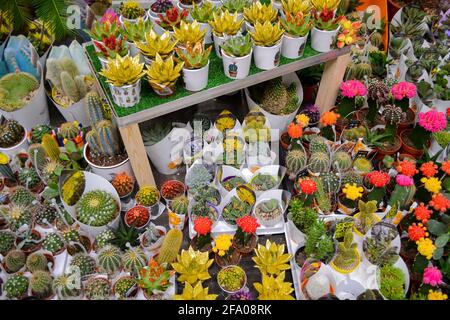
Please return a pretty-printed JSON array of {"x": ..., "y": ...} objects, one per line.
[{"x": 149, "y": 99}]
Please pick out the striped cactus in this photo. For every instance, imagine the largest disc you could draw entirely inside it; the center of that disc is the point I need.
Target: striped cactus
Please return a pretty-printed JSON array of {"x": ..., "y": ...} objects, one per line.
[
  {"x": 104, "y": 139},
  {"x": 319, "y": 162},
  {"x": 94, "y": 107},
  {"x": 110, "y": 259},
  {"x": 51, "y": 147},
  {"x": 295, "y": 161},
  {"x": 342, "y": 161}
]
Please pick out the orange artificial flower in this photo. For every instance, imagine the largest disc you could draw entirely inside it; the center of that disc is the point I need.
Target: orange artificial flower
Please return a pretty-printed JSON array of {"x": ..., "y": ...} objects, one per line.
[
  {"x": 295, "y": 131},
  {"x": 329, "y": 118}
]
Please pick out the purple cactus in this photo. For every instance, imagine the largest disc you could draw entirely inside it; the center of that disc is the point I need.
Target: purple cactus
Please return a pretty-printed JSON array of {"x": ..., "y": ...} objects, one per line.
[{"x": 312, "y": 111}]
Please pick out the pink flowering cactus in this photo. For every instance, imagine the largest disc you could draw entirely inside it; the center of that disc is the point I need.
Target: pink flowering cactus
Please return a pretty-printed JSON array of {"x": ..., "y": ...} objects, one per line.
[
  {"x": 403, "y": 90},
  {"x": 110, "y": 16},
  {"x": 432, "y": 121},
  {"x": 432, "y": 276},
  {"x": 353, "y": 88},
  {"x": 404, "y": 181}
]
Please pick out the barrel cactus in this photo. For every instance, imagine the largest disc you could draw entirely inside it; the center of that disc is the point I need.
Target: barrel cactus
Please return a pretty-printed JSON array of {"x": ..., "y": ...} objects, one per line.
[
  {"x": 38, "y": 132},
  {"x": 29, "y": 177},
  {"x": 85, "y": 263},
  {"x": 37, "y": 261},
  {"x": 7, "y": 239},
  {"x": 19, "y": 217},
  {"x": 69, "y": 130},
  {"x": 41, "y": 284},
  {"x": 104, "y": 237},
  {"x": 341, "y": 161},
  {"x": 16, "y": 286},
  {"x": 97, "y": 289},
  {"x": 330, "y": 181},
  {"x": 362, "y": 165},
  {"x": 123, "y": 184},
  {"x": 22, "y": 196},
  {"x": 96, "y": 208},
  {"x": 110, "y": 259},
  {"x": 279, "y": 99},
  {"x": 45, "y": 215},
  {"x": 295, "y": 161},
  {"x": 53, "y": 243},
  {"x": 15, "y": 260},
  {"x": 147, "y": 196},
  {"x": 319, "y": 162},
  {"x": 180, "y": 205},
  {"x": 318, "y": 144},
  {"x": 123, "y": 286},
  {"x": 11, "y": 133},
  {"x": 393, "y": 114},
  {"x": 133, "y": 260},
  {"x": 351, "y": 177}
]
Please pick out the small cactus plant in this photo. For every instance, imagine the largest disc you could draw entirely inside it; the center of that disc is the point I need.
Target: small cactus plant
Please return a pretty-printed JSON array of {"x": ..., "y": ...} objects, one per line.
[
  {"x": 53, "y": 243},
  {"x": 69, "y": 130},
  {"x": 41, "y": 284},
  {"x": 103, "y": 238},
  {"x": 123, "y": 286},
  {"x": 318, "y": 144},
  {"x": 319, "y": 162},
  {"x": 16, "y": 286},
  {"x": 85, "y": 263},
  {"x": 362, "y": 165},
  {"x": 96, "y": 208},
  {"x": 15, "y": 260},
  {"x": 19, "y": 217},
  {"x": 180, "y": 205},
  {"x": 22, "y": 196},
  {"x": 65, "y": 288},
  {"x": 105, "y": 146},
  {"x": 330, "y": 181},
  {"x": 7, "y": 239},
  {"x": 38, "y": 132},
  {"x": 133, "y": 260},
  {"x": 351, "y": 177},
  {"x": 94, "y": 107},
  {"x": 11, "y": 134},
  {"x": 110, "y": 259},
  {"x": 73, "y": 188},
  {"x": 147, "y": 196},
  {"x": 170, "y": 246},
  {"x": 45, "y": 215},
  {"x": 295, "y": 161},
  {"x": 51, "y": 147},
  {"x": 97, "y": 289},
  {"x": 123, "y": 184},
  {"x": 347, "y": 258},
  {"x": 131, "y": 10},
  {"x": 341, "y": 161},
  {"x": 366, "y": 218},
  {"x": 268, "y": 210},
  {"x": 29, "y": 178},
  {"x": 37, "y": 261}
]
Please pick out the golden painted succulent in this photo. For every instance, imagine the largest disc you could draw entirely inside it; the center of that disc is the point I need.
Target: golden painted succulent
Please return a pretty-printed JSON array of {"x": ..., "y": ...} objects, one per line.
[
  {"x": 123, "y": 71},
  {"x": 331, "y": 5},
  {"x": 163, "y": 73},
  {"x": 192, "y": 266},
  {"x": 195, "y": 293},
  {"x": 189, "y": 33},
  {"x": 154, "y": 43},
  {"x": 261, "y": 13},
  {"x": 267, "y": 34},
  {"x": 225, "y": 23},
  {"x": 271, "y": 259},
  {"x": 294, "y": 6},
  {"x": 274, "y": 288}
]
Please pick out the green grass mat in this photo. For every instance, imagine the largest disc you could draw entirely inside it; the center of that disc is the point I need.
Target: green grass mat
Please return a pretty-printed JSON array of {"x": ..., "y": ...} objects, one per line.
[{"x": 149, "y": 99}]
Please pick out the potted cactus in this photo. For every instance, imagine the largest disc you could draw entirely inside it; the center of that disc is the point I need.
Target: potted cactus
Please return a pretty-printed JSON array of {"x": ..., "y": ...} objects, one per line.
[
  {"x": 267, "y": 45},
  {"x": 347, "y": 258},
  {"x": 196, "y": 66},
  {"x": 124, "y": 184},
  {"x": 224, "y": 24},
  {"x": 163, "y": 75},
  {"x": 154, "y": 43},
  {"x": 29, "y": 178},
  {"x": 130, "y": 11},
  {"x": 53, "y": 243},
  {"x": 178, "y": 209},
  {"x": 149, "y": 196},
  {"x": 16, "y": 287},
  {"x": 245, "y": 238},
  {"x": 236, "y": 54},
  {"x": 13, "y": 138},
  {"x": 110, "y": 47},
  {"x": 202, "y": 240},
  {"x": 295, "y": 35},
  {"x": 259, "y": 13},
  {"x": 202, "y": 14},
  {"x": 231, "y": 279},
  {"x": 171, "y": 189},
  {"x": 188, "y": 33},
  {"x": 225, "y": 253},
  {"x": 138, "y": 217},
  {"x": 14, "y": 261},
  {"x": 41, "y": 285},
  {"x": 135, "y": 32},
  {"x": 366, "y": 218},
  {"x": 125, "y": 288},
  {"x": 326, "y": 25},
  {"x": 124, "y": 78},
  {"x": 97, "y": 288}
]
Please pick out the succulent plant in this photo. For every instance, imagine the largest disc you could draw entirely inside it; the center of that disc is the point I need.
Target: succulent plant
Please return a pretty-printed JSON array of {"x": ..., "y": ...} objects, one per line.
[
  {"x": 163, "y": 73},
  {"x": 19, "y": 216},
  {"x": 133, "y": 260},
  {"x": 266, "y": 34},
  {"x": 41, "y": 284},
  {"x": 293, "y": 6},
  {"x": 347, "y": 258},
  {"x": 268, "y": 210},
  {"x": 362, "y": 165},
  {"x": 73, "y": 188},
  {"x": 156, "y": 132},
  {"x": 172, "y": 189},
  {"x": 319, "y": 162},
  {"x": 11, "y": 133},
  {"x": 161, "y": 6},
  {"x": 379, "y": 250},
  {"x": 318, "y": 144},
  {"x": 123, "y": 184},
  {"x": 194, "y": 56},
  {"x": 341, "y": 161},
  {"x": 263, "y": 182},
  {"x": 29, "y": 178},
  {"x": 312, "y": 111},
  {"x": 122, "y": 71},
  {"x": 279, "y": 99},
  {"x": 104, "y": 237},
  {"x": 69, "y": 130},
  {"x": 15, "y": 260},
  {"x": 85, "y": 263},
  {"x": 123, "y": 286},
  {"x": 198, "y": 177},
  {"x": 7, "y": 240},
  {"x": 393, "y": 114},
  {"x": 366, "y": 217},
  {"x": 131, "y": 10},
  {"x": 274, "y": 288},
  {"x": 196, "y": 292},
  {"x": 45, "y": 215},
  {"x": 271, "y": 259},
  {"x": 100, "y": 30},
  {"x": 302, "y": 216},
  {"x": 172, "y": 18},
  {"x": 15, "y": 91},
  {"x": 94, "y": 107},
  {"x": 154, "y": 277},
  {"x": 295, "y": 161},
  {"x": 53, "y": 243},
  {"x": 392, "y": 282},
  {"x": 16, "y": 286},
  {"x": 154, "y": 43},
  {"x": 97, "y": 288},
  {"x": 319, "y": 245},
  {"x": 111, "y": 47},
  {"x": 51, "y": 147},
  {"x": 38, "y": 132},
  {"x": 170, "y": 246},
  {"x": 189, "y": 33},
  {"x": 204, "y": 13},
  {"x": 110, "y": 259},
  {"x": 192, "y": 266},
  {"x": 96, "y": 208},
  {"x": 147, "y": 196},
  {"x": 351, "y": 177},
  {"x": 260, "y": 13},
  {"x": 330, "y": 182},
  {"x": 235, "y": 209},
  {"x": 230, "y": 183},
  {"x": 231, "y": 278},
  {"x": 37, "y": 261},
  {"x": 65, "y": 288},
  {"x": 180, "y": 204},
  {"x": 135, "y": 31},
  {"x": 297, "y": 25},
  {"x": 225, "y": 23}
]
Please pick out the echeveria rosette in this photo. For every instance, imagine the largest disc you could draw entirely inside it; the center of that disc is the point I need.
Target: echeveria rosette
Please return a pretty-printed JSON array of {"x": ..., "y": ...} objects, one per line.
[
  {"x": 428, "y": 123},
  {"x": 402, "y": 92},
  {"x": 351, "y": 90}
]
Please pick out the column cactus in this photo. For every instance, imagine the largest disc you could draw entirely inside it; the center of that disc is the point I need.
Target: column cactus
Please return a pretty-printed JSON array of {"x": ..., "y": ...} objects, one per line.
[
  {"x": 94, "y": 107},
  {"x": 51, "y": 147},
  {"x": 170, "y": 247},
  {"x": 104, "y": 140}
]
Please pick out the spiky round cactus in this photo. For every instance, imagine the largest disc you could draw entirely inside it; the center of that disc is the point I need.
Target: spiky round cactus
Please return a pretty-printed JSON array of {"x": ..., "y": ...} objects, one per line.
[
  {"x": 85, "y": 263},
  {"x": 41, "y": 284},
  {"x": 393, "y": 114},
  {"x": 69, "y": 130},
  {"x": 362, "y": 165},
  {"x": 20, "y": 216},
  {"x": 28, "y": 177},
  {"x": 53, "y": 243},
  {"x": 65, "y": 287},
  {"x": 123, "y": 286},
  {"x": 351, "y": 177},
  {"x": 15, "y": 260},
  {"x": 123, "y": 184},
  {"x": 37, "y": 261},
  {"x": 45, "y": 215},
  {"x": 319, "y": 162},
  {"x": 71, "y": 235},
  {"x": 147, "y": 196},
  {"x": 330, "y": 181},
  {"x": 377, "y": 90},
  {"x": 295, "y": 161},
  {"x": 104, "y": 237},
  {"x": 11, "y": 133},
  {"x": 96, "y": 208},
  {"x": 134, "y": 259},
  {"x": 110, "y": 259},
  {"x": 97, "y": 289},
  {"x": 341, "y": 161},
  {"x": 318, "y": 144},
  {"x": 180, "y": 205},
  {"x": 22, "y": 196},
  {"x": 38, "y": 132},
  {"x": 16, "y": 286},
  {"x": 7, "y": 239}
]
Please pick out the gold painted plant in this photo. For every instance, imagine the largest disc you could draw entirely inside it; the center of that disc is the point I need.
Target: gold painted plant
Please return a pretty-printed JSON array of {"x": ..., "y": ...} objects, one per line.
[
  {"x": 271, "y": 259},
  {"x": 192, "y": 266},
  {"x": 123, "y": 71},
  {"x": 189, "y": 33},
  {"x": 225, "y": 23},
  {"x": 267, "y": 34},
  {"x": 274, "y": 288},
  {"x": 163, "y": 73},
  {"x": 157, "y": 44},
  {"x": 261, "y": 13}
]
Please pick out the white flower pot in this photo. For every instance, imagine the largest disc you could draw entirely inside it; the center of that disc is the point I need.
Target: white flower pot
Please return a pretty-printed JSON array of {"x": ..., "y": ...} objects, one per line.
[
  {"x": 109, "y": 172},
  {"x": 267, "y": 58},
  {"x": 197, "y": 79},
  {"x": 236, "y": 67},
  {"x": 322, "y": 40},
  {"x": 22, "y": 146},
  {"x": 122, "y": 19},
  {"x": 126, "y": 96},
  {"x": 293, "y": 47},
  {"x": 249, "y": 27},
  {"x": 208, "y": 35},
  {"x": 132, "y": 49},
  {"x": 75, "y": 112},
  {"x": 441, "y": 105},
  {"x": 217, "y": 42}
]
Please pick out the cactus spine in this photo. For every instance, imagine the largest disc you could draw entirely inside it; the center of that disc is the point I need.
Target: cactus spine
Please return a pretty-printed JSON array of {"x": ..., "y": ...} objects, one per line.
[
  {"x": 51, "y": 147},
  {"x": 170, "y": 247}
]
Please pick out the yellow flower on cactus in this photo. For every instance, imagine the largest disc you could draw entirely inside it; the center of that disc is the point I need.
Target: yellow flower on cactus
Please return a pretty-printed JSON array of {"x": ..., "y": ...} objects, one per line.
[
  {"x": 222, "y": 244},
  {"x": 4, "y": 159},
  {"x": 426, "y": 247},
  {"x": 432, "y": 184},
  {"x": 352, "y": 191},
  {"x": 303, "y": 120},
  {"x": 436, "y": 295}
]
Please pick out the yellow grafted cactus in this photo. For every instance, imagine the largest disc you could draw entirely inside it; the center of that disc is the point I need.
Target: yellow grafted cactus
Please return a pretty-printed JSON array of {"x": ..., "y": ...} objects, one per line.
[
  {"x": 271, "y": 259},
  {"x": 331, "y": 5},
  {"x": 154, "y": 43},
  {"x": 195, "y": 293},
  {"x": 192, "y": 266},
  {"x": 267, "y": 34},
  {"x": 189, "y": 33},
  {"x": 123, "y": 71},
  {"x": 261, "y": 13},
  {"x": 274, "y": 288},
  {"x": 225, "y": 23},
  {"x": 294, "y": 6},
  {"x": 170, "y": 246},
  {"x": 163, "y": 73}
]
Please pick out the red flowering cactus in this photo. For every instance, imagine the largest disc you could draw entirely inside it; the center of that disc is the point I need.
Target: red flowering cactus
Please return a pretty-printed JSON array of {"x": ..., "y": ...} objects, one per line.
[
  {"x": 446, "y": 167},
  {"x": 307, "y": 186},
  {"x": 439, "y": 202},
  {"x": 417, "y": 232},
  {"x": 203, "y": 226},
  {"x": 378, "y": 180},
  {"x": 422, "y": 213},
  {"x": 172, "y": 18},
  {"x": 247, "y": 226},
  {"x": 428, "y": 169},
  {"x": 172, "y": 189},
  {"x": 407, "y": 167},
  {"x": 137, "y": 216}
]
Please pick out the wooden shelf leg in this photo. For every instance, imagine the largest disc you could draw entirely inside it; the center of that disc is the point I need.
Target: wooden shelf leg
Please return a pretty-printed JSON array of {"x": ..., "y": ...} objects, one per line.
[
  {"x": 131, "y": 136},
  {"x": 333, "y": 74}
]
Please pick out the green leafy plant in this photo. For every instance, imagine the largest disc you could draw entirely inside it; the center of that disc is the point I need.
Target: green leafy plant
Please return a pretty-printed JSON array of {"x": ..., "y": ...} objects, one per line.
[
  {"x": 303, "y": 217},
  {"x": 392, "y": 281},
  {"x": 319, "y": 245},
  {"x": 121, "y": 237},
  {"x": 237, "y": 46}
]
